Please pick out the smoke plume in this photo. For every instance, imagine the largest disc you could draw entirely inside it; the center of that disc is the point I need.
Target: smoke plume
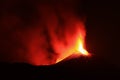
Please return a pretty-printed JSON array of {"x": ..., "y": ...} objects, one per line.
[{"x": 38, "y": 32}]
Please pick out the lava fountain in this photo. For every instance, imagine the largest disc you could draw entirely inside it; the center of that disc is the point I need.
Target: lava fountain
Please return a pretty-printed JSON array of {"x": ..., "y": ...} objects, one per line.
[{"x": 77, "y": 44}]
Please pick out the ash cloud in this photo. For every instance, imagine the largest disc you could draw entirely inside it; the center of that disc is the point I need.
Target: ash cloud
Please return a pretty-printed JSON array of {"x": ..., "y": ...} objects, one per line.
[{"x": 31, "y": 30}]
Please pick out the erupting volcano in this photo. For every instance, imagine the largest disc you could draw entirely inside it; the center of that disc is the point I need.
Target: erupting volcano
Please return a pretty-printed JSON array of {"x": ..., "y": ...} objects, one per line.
[
  {"x": 41, "y": 32},
  {"x": 76, "y": 44}
]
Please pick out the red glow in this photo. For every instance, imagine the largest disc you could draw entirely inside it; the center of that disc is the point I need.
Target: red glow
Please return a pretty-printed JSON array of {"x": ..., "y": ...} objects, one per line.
[
  {"x": 77, "y": 44},
  {"x": 41, "y": 33}
]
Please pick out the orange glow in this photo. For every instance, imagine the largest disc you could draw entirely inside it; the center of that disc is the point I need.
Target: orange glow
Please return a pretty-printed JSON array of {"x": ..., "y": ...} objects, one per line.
[
  {"x": 80, "y": 47},
  {"x": 77, "y": 44}
]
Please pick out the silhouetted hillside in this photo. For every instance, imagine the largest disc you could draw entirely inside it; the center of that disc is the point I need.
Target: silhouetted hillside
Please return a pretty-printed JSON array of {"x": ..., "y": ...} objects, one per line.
[{"x": 75, "y": 69}]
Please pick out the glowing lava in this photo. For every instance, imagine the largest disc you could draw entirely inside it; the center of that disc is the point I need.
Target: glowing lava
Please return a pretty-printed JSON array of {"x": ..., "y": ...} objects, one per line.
[
  {"x": 77, "y": 45},
  {"x": 80, "y": 47}
]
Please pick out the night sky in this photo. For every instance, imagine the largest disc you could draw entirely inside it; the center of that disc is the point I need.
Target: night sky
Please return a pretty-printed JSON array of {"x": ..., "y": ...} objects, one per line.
[
  {"x": 103, "y": 29},
  {"x": 102, "y": 40}
]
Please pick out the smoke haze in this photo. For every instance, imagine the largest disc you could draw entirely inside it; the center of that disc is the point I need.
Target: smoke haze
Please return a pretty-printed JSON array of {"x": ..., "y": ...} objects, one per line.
[{"x": 37, "y": 32}]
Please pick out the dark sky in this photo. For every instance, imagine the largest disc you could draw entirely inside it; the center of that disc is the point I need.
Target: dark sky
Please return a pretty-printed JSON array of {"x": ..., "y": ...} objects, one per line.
[{"x": 103, "y": 27}]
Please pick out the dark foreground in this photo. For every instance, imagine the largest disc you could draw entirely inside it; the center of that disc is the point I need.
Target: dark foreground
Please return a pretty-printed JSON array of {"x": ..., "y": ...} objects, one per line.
[{"x": 74, "y": 69}]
